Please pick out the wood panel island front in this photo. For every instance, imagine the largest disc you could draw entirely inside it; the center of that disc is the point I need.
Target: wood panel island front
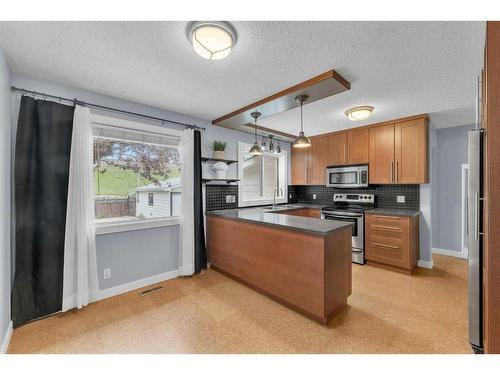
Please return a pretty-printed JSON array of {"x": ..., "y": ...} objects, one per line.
[{"x": 303, "y": 262}]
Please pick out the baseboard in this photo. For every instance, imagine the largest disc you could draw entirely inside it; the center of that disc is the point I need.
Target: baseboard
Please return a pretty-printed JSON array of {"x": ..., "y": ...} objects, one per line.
[
  {"x": 425, "y": 264},
  {"x": 124, "y": 288},
  {"x": 6, "y": 339},
  {"x": 450, "y": 253}
]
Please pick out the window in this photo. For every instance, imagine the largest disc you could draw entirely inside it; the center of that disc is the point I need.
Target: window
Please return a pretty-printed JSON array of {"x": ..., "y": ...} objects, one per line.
[
  {"x": 260, "y": 176},
  {"x": 131, "y": 165}
]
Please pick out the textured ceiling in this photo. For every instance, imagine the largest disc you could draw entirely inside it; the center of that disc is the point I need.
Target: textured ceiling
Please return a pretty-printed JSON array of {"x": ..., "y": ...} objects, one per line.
[{"x": 401, "y": 68}]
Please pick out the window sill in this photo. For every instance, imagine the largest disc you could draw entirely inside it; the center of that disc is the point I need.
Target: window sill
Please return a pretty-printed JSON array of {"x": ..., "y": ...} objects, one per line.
[{"x": 125, "y": 226}]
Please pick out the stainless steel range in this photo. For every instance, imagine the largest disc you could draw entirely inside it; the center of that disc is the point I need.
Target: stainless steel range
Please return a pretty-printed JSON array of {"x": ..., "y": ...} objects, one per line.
[{"x": 351, "y": 208}]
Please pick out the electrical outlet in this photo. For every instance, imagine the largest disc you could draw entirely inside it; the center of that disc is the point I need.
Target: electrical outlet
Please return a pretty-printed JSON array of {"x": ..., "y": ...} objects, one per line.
[
  {"x": 401, "y": 199},
  {"x": 107, "y": 273},
  {"x": 230, "y": 199},
  {"x": 314, "y": 196}
]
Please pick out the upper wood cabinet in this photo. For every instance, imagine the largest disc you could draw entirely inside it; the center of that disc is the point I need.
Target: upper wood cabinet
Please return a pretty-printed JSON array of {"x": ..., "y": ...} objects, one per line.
[
  {"x": 398, "y": 152},
  {"x": 381, "y": 164},
  {"x": 358, "y": 142},
  {"x": 318, "y": 160},
  {"x": 410, "y": 152},
  {"x": 338, "y": 148},
  {"x": 300, "y": 166}
]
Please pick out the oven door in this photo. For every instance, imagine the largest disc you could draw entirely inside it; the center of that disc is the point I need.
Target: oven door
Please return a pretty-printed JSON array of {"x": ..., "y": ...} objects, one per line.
[{"x": 357, "y": 229}]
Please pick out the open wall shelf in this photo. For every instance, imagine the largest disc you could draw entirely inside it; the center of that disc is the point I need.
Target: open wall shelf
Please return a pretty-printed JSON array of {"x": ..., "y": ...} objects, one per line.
[{"x": 214, "y": 160}]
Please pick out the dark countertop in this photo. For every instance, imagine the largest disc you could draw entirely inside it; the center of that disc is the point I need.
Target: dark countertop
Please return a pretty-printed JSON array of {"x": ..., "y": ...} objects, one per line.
[
  {"x": 277, "y": 218},
  {"x": 393, "y": 212}
]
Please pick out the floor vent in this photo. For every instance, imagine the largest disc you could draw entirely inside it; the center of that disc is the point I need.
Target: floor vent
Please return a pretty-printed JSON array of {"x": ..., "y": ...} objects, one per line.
[{"x": 143, "y": 293}]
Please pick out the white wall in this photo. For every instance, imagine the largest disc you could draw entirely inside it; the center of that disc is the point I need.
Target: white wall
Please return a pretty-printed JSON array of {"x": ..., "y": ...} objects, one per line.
[{"x": 5, "y": 172}]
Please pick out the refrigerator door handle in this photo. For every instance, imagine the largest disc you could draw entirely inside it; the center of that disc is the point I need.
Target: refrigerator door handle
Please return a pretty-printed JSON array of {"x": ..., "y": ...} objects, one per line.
[{"x": 477, "y": 200}]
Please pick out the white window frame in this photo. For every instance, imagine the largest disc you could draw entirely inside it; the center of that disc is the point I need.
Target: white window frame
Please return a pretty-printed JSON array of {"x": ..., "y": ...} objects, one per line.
[
  {"x": 126, "y": 225},
  {"x": 263, "y": 201}
]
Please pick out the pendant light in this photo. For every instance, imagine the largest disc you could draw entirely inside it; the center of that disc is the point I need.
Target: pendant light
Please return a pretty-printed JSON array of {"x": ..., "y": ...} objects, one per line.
[
  {"x": 263, "y": 144},
  {"x": 302, "y": 141},
  {"x": 255, "y": 150},
  {"x": 278, "y": 148},
  {"x": 271, "y": 144}
]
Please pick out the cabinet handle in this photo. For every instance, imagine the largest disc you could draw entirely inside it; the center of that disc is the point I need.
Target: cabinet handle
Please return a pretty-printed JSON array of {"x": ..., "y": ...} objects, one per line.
[
  {"x": 385, "y": 227},
  {"x": 387, "y": 246},
  {"x": 386, "y": 217},
  {"x": 392, "y": 171},
  {"x": 397, "y": 171}
]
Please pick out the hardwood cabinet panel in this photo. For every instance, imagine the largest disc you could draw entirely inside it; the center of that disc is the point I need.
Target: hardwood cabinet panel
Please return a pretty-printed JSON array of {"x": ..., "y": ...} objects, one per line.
[
  {"x": 314, "y": 212},
  {"x": 382, "y": 154},
  {"x": 318, "y": 160},
  {"x": 358, "y": 142},
  {"x": 410, "y": 149},
  {"x": 300, "y": 166},
  {"x": 338, "y": 149}
]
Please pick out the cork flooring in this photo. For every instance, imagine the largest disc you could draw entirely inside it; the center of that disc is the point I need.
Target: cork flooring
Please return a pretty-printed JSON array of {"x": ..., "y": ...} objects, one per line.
[{"x": 388, "y": 312}]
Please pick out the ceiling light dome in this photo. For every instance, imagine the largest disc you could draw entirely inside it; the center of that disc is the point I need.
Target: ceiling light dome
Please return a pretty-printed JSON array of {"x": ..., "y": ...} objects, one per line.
[
  {"x": 212, "y": 40},
  {"x": 359, "y": 113}
]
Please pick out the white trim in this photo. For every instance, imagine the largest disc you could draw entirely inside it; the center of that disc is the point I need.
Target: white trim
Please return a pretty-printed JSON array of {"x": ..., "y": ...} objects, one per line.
[
  {"x": 425, "y": 264},
  {"x": 6, "y": 339},
  {"x": 133, "y": 125},
  {"x": 450, "y": 253},
  {"x": 125, "y": 226},
  {"x": 124, "y": 288},
  {"x": 465, "y": 246}
]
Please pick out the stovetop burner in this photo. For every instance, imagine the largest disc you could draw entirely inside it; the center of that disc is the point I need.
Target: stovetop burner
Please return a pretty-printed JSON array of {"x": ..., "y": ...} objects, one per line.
[{"x": 357, "y": 203}]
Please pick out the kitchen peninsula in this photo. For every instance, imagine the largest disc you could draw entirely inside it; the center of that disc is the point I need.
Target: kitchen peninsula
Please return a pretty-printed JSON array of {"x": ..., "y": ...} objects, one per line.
[{"x": 301, "y": 261}]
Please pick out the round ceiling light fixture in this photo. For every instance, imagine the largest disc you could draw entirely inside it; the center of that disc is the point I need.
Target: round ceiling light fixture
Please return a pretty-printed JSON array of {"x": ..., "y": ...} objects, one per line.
[
  {"x": 212, "y": 40},
  {"x": 359, "y": 113}
]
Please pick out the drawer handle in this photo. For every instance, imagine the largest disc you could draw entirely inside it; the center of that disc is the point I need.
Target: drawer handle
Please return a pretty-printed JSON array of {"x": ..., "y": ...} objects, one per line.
[
  {"x": 388, "y": 246},
  {"x": 386, "y": 228},
  {"x": 386, "y": 217}
]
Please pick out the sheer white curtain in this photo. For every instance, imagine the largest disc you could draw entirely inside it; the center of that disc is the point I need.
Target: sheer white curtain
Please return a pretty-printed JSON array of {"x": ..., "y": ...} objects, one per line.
[
  {"x": 80, "y": 265},
  {"x": 186, "y": 252}
]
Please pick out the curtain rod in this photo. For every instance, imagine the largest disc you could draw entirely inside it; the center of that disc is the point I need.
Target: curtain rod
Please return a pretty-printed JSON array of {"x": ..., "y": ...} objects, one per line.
[{"x": 75, "y": 102}]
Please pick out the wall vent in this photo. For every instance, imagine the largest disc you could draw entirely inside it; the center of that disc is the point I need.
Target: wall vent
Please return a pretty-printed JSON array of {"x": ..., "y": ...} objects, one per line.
[{"x": 146, "y": 292}]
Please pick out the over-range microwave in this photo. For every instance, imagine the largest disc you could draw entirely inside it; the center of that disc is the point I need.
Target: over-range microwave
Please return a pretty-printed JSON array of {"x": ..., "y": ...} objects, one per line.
[{"x": 347, "y": 176}]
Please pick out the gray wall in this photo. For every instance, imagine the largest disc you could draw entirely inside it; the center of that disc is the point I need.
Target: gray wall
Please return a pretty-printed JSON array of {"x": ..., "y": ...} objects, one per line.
[
  {"x": 137, "y": 254},
  {"x": 452, "y": 153},
  {"x": 5, "y": 147}
]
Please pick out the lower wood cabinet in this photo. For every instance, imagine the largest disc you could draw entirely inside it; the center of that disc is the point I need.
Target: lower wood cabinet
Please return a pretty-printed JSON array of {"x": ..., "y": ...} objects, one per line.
[
  {"x": 306, "y": 212},
  {"x": 392, "y": 241}
]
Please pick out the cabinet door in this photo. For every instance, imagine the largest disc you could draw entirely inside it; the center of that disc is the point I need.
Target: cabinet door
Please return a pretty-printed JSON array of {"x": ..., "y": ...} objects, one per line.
[
  {"x": 358, "y": 146},
  {"x": 382, "y": 154},
  {"x": 411, "y": 140},
  {"x": 300, "y": 166},
  {"x": 338, "y": 149},
  {"x": 318, "y": 160}
]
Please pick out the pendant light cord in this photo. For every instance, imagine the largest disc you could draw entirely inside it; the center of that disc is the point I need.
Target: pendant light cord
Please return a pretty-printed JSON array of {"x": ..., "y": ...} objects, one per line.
[{"x": 301, "y": 122}]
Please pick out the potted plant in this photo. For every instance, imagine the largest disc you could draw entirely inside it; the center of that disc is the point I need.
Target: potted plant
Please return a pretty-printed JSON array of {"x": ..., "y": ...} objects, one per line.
[{"x": 219, "y": 148}]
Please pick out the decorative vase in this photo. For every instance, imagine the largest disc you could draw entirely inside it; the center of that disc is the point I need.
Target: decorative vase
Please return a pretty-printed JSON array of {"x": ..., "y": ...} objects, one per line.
[
  {"x": 220, "y": 169},
  {"x": 218, "y": 154}
]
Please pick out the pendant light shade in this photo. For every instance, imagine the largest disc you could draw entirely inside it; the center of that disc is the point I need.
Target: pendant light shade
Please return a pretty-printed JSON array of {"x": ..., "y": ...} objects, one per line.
[
  {"x": 301, "y": 141},
  {"x": 256, "y": 150}
]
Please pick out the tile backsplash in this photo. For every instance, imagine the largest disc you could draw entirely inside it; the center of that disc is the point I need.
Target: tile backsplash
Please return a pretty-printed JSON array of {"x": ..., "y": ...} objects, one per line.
[
  {"x": 385, "y": 195},
  {"x": 215, "y": 197}
]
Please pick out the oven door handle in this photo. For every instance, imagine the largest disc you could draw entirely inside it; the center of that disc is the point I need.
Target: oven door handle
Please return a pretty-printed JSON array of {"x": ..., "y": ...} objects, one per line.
[
  {"x": 342, "y": 215},
  {"x": 334, "y": 217}
]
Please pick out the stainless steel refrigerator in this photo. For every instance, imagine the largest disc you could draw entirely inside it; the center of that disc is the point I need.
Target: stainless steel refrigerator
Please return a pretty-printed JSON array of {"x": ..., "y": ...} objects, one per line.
[{"x": 474, "y": 225}]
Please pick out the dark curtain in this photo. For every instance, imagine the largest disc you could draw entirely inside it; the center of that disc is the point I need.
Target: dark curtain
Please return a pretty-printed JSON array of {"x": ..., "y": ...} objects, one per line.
[
  {"x": 42, "y": 157},
  {"x": 200, "y": 251}
]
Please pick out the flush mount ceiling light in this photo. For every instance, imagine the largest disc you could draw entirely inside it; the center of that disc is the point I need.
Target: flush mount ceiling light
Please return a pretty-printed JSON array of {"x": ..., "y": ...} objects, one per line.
[
  {"x": 359, "y": 113},
  {"x": 212, "y": 40},
  {"x": 255, "y": 150},
  {"x": 302, "y": 141}
]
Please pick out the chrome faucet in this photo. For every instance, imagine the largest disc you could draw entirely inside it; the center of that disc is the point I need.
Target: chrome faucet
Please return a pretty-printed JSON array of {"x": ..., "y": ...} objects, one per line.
[{"x": 274, "y": 196}]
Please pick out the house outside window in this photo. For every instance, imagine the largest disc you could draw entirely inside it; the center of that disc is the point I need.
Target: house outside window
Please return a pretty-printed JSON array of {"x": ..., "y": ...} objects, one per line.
[
  {"x": 129, "y": 163},
  {"x": 260, "y": 176}
]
